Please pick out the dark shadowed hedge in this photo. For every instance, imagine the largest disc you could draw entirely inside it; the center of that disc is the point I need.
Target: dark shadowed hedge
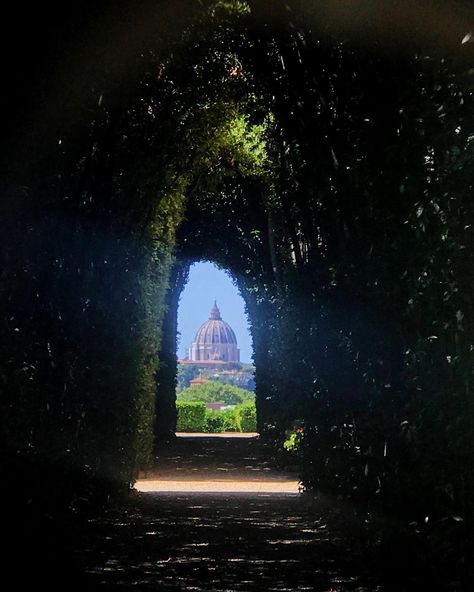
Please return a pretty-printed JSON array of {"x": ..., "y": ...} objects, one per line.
[{"x": 332, "y": 177}]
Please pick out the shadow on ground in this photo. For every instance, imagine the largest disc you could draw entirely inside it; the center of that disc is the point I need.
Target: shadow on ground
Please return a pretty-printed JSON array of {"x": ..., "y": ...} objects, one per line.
[{"x": 242, "y": 540}]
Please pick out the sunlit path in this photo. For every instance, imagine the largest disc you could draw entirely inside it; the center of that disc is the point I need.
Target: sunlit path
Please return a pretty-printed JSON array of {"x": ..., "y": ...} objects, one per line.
[
  {"x": 215, "y": 515},
  {"x": 229, "y": 463},
  {"x": 224, "y": 485}
]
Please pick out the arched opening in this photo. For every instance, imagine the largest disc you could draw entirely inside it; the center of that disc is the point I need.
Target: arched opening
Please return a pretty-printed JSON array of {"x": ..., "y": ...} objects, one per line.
[
  {"x": 215, "y": 355},
  {"x": 223, "y": 354}
]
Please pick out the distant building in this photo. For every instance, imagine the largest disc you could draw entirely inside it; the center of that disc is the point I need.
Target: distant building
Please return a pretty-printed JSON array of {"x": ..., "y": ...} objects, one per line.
[
  {"x": 215, "y": 406},
  {"x": 215, "y": 341},
  {"x": 198, "y": 380}
]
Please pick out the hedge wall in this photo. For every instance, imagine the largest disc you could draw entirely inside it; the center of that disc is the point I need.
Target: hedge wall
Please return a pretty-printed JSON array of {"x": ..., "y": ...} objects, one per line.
[{"x": 339, "y": 175}]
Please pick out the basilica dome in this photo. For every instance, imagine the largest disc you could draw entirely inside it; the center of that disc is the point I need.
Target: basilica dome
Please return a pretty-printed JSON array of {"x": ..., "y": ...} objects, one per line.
[{"x": 215, "y": 340}]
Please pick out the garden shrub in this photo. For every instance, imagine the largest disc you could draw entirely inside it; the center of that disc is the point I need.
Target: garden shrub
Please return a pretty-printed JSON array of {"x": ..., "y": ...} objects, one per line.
[
  {"x": 214, "y": 421},
  {"x": 191, "y": 416},
  {"x": 221, "y": 421},
  {"x": 246, "y": 417},
  {"x": 194, "y": 417},
  {"x": 293, "y": 437},
  {"x": 229, "y": 420}
]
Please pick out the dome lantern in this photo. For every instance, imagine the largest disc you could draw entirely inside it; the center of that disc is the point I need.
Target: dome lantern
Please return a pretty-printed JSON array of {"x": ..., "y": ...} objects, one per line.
[{"x": 215, "y": 313}]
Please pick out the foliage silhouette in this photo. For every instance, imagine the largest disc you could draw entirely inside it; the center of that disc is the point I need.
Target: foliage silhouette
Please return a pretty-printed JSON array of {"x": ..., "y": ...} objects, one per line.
[{"x": 332, "y": 176}]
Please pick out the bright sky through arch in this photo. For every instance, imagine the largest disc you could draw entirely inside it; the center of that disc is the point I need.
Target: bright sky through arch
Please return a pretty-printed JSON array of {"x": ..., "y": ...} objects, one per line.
[{"x": 206, "y": 283}]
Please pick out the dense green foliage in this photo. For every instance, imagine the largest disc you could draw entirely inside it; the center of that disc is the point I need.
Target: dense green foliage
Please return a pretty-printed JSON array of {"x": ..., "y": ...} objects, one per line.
[
  {"x": 218, "y": 421},
  {"x": 215, "y": 392},
  {"x": 186, "y": 372},
  {"x": 191, "y": 416},
  {"x": 339, "y": 174},
  {"x": 242, "y": 375},
  {"x": 246, "y": 417},
  {"x": 194, "y": 417}
]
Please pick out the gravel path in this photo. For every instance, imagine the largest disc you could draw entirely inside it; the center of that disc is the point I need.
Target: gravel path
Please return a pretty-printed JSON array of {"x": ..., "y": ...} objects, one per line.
[
  {"x": 230, "y": 463},
  {"x": 240, "y": 539}
]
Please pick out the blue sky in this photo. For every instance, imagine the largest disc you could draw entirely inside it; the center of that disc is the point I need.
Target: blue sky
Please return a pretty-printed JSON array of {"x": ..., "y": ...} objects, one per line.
[{"x": 207, "y": 282}]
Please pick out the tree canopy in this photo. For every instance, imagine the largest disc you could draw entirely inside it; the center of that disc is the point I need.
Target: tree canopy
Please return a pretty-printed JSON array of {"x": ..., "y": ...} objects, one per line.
[{"x": 216, "y": 392}]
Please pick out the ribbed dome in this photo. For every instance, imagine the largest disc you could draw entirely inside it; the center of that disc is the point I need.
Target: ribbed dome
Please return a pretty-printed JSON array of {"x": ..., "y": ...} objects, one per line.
[{"x": 215, "y": 330}]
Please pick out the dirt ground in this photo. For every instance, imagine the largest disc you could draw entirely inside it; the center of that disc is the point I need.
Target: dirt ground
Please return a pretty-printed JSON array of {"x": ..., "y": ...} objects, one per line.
[
  {"x": 231, "y": 463},
  {"x": 213, "y": 515}
]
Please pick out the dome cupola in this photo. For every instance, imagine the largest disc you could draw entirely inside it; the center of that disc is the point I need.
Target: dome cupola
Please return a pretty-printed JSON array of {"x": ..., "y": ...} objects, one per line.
[{"x": 215, "y": 340}]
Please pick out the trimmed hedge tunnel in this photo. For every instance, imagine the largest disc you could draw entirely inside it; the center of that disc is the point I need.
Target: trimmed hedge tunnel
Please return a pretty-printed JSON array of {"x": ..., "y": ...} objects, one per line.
[{"x": 333, "y": 180}]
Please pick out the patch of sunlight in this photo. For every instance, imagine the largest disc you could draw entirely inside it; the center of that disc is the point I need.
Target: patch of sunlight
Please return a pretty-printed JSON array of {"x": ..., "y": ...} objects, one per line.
[
  {"x": 223, "y": 435},
  {"x": 288, "y": 542},
  {"x": 216, "y": 486}
]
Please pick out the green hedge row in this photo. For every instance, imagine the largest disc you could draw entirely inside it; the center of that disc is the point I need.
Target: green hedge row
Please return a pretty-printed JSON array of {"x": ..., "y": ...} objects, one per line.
[
  {"x": 195, "y": 417},
  {"x": 246, "y": 417}
]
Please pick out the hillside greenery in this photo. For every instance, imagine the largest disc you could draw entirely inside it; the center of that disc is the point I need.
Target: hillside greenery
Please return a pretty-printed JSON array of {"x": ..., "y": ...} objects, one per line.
[
  {"x": 242, "y": 375},
  {"x": 216, "y": 392}
]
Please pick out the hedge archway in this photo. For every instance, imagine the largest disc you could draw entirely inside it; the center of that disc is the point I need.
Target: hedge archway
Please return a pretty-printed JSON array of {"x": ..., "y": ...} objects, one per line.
[{"x": 341, "y": 173}]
